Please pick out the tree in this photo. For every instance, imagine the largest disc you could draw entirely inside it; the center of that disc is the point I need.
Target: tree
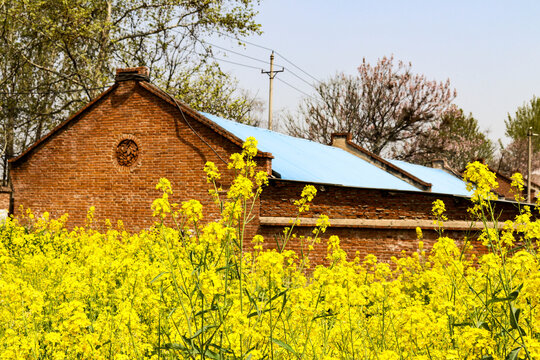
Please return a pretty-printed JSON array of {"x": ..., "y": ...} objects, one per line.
[
  {"x": 383, "y": 106},
  {"x": 216, "y": 92},
  {"x": 527, "y": 115},
  {"x": 454, "y": 137},
  {"x": 58, "y": 55},
  {"x": 514, "y": 156}
]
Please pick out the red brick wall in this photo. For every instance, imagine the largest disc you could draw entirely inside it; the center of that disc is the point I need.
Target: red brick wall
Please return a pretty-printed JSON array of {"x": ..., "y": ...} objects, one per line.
[
  {"x": 383, "y": 243},
  {"x": 352, "y": 203},
  {"x": 77, "y": 167},
  {"x": 355, "y": 203}
]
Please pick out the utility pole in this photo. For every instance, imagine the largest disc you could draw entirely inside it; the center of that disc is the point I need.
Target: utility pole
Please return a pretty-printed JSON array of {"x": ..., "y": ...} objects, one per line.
[
  {"x": 530, "y": 134},
  {"x": 271, "y": 74}
]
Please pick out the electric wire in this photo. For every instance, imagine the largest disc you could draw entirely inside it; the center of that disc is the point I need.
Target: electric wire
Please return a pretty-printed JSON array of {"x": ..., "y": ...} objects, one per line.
[
  {"x": 235, "y": 63},
  {"x": 295, "y": 88},
  {"x": 305, "y": 72},
  {"x": 173, "y": 99},
  {"x": 259, "y": 60},
  {"x": 240, "y": 54},
  {"x": 276, "y": 52},
  {"x": 307, "y": 82}
]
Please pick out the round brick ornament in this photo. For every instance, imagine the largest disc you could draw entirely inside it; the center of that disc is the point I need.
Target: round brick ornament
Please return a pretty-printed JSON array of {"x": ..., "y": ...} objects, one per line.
[{"x": 127, "y": 152}]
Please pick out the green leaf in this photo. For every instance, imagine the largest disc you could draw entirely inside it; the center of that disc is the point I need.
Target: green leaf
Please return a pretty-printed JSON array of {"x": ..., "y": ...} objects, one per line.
[
  {"x": 514, "y": 316},
  {"x": 482, "y": 325},
  {"x": 160, "y": 275},
  {"x": 513, "y": 355},
  {"x": 514, "y": 294},
  {"x": 284, "y": 345},
  {"x": 255, "y": 313},
  {"x": 173, "y": 346},
  {"x": 201, "y": 330},
  {"x": 278, "y": 295}
]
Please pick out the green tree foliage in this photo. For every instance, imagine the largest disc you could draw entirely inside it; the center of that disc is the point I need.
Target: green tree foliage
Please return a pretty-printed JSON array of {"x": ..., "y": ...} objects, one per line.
[
  {"x": 514, "y": 156},
  {"x": 382, "y": 106},
  {"x": 527, "y": 115},
  {"x": 454, "y": 137},
  {"x": 58, "y": 55},
  {"x": 216, "y": 92}
]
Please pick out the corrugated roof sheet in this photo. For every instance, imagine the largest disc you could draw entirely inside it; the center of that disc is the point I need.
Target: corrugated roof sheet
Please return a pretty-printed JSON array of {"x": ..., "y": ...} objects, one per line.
[
  {"x": 309, "y": 161},
  {"x": 442, "y": 181},
  {"x": 305, "y": 160}
]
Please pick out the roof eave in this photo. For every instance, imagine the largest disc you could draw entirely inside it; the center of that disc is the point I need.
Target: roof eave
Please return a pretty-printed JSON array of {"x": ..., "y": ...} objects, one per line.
[
  {"x": 199, "y": 117},
  {"x": 60, "y": 126}
]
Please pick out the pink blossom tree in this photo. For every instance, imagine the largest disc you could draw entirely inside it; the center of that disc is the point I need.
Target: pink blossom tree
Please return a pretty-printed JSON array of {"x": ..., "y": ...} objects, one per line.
[{"x": 382, "y": 106}]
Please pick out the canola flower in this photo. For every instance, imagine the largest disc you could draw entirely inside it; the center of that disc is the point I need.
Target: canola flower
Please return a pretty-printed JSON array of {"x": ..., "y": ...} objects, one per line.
[{"x": 201, "y": 290}]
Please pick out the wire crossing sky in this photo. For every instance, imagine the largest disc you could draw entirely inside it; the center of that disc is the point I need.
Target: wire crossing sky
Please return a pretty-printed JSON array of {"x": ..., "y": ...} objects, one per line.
[{"x": 488, "y": 49}]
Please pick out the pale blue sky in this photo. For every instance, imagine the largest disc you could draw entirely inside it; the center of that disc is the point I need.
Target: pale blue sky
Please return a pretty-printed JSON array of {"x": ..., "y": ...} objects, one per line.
[{"x": 490, "y": 50}]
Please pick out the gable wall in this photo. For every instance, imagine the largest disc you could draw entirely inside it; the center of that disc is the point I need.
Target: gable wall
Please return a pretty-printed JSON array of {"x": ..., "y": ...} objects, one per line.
[{"x": 77, "y": 167}]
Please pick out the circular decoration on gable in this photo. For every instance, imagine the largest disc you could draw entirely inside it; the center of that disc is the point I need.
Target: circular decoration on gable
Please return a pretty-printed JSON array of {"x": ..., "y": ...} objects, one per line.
[{"x": 127, "y": 152}]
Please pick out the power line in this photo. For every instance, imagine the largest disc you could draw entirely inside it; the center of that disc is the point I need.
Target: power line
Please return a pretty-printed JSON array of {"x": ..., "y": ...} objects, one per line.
[
  {"x": 235, "y": 63},
  {"x": 240, "y": 54},
  {"x": 295, "y": 88},
  {"x": 254, "y": 67},
  {"x": 305, "y": 72},
  {"x": 277, "y": 53},
  {"x": 262, "y": 61},
  {"x": 307, "y": 82}
]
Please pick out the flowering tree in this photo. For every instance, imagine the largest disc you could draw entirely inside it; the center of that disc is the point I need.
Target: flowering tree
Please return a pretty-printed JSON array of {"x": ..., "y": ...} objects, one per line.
[
  {"x": 381, "y": 106},
  {"x": 513, "y": 158},
  {"x": 454, "y": 137}
]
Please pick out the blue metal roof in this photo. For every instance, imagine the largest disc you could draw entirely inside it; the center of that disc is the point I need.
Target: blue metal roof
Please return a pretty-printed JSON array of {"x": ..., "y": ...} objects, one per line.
[
  {"x": 442, "y": 181},
  {"x": 309, "y": 161},
  {"x": 305, "y": 160}
]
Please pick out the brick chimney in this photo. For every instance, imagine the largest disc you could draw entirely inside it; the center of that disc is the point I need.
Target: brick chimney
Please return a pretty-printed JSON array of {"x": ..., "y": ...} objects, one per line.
[
  {"x": 340, "y": 140},
  {"x": 439, "y": 164},
  {"x": 140, "y": 73}
]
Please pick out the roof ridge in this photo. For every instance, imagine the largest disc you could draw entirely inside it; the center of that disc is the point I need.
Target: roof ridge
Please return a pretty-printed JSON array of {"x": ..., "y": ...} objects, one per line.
[{"x": 271, "y": 131}]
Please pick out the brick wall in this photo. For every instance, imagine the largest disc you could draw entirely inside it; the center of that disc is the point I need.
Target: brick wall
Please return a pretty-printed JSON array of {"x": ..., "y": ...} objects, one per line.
[
  {"x": 77, "y": 167},
  {"x": 384, "y": 241},
  {"x": 345, "y": 202}
]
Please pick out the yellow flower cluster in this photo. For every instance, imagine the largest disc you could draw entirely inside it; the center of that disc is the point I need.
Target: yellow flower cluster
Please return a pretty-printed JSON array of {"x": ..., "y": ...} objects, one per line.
[
  {"x": 482, "y": 181},
  {"x": 193, "y": 292}
]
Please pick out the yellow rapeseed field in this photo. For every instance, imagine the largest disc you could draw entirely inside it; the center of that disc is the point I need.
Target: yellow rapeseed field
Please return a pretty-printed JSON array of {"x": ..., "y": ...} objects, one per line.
[{"x": 191, "y": 291}]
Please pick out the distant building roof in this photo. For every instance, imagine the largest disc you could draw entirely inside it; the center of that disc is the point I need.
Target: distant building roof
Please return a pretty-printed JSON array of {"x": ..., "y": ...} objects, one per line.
[
  {"x": 304, "y": 160},
  {"x": 442, "y": 181}
]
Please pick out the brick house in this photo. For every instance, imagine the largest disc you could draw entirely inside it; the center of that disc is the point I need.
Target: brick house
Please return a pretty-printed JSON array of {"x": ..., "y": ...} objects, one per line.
[{"x": 112, "y": 152}]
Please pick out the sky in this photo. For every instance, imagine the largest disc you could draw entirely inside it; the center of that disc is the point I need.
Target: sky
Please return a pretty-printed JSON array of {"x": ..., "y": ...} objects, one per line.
[{"x": 489, "y": 50}]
